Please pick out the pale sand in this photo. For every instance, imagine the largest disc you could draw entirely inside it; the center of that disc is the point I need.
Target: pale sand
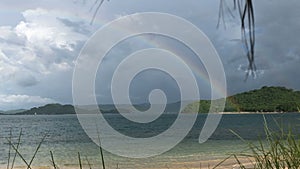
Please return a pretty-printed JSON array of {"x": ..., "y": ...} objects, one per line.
[
  {"x": 249, "y": 113},
  {"x": 208, "y": 164}
]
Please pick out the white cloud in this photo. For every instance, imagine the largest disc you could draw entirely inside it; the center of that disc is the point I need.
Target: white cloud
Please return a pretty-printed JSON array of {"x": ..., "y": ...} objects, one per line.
[
  {"x": 35, "y": 43},
  {"x": 43, "y": 45},
  {"x": 62, "y": 66},
  {"x": 44, "y": 31},
  {"x": 7, "y": 68},
  {"x": 40, "y": 44},
  {"x": 25, "y": 101}
]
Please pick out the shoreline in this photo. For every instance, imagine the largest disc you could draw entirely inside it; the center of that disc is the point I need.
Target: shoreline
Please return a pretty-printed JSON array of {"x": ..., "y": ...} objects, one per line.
[
  {"x": 237, "y": 113},
  {"x": 253, "y": 112},
  {"x": 230, "y": 163}
]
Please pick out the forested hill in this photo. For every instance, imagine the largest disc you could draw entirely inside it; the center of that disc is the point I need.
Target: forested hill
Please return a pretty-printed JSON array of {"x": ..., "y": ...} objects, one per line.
[
  {"x": 49, "y": 109},
  {"x": 266, "y": 99}
]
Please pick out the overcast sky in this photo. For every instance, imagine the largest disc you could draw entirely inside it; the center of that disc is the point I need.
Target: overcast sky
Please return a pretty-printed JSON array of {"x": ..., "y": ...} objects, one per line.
[{"x": 40, "y": 41}]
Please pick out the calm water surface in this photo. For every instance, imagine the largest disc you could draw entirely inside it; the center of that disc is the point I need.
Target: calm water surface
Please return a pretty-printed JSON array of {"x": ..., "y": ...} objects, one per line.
[{"x": 66, "y": 138}]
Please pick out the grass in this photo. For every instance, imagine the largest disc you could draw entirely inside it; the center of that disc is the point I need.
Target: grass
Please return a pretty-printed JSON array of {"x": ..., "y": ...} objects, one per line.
[
  {"x": 15, "y": 148},
  {"x": 79, "y": 159},
  {"x": 52, "y": 161},
  {"x": 280, "y": 150}
]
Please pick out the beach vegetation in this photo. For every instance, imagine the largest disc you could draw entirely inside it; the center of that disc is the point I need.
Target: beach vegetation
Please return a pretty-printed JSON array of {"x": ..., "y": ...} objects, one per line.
[{"x": 280, "y": 149}]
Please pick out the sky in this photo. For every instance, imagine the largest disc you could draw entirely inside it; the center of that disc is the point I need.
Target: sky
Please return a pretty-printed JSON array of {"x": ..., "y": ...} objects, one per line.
[{"x": 41, "y": 40}]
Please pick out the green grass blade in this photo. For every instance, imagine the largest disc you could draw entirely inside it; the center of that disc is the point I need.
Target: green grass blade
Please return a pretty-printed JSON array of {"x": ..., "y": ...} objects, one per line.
[
  {"x": 20, "y": 155},
  {"x": 18, "y": 144},
  {"x": 79, "y": 160},
  {"x": 52, "y": 160},
  {"x": 9, "y": 149},
  {"x": 37, "y": 149}
]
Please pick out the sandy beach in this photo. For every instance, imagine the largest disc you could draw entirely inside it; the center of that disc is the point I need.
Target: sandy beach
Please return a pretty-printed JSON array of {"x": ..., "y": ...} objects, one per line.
[
  {"x": 206, "y": 164},
  {"x": 249, "y": 112}
]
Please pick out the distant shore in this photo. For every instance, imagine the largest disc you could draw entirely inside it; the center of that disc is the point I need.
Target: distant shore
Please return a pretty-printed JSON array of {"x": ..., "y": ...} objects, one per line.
[
  {"x": 233, "y": 113},
  {"x": 253, "y": 112}
]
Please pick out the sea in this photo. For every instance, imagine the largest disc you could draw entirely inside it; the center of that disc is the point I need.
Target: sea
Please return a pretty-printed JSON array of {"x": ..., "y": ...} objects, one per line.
[{"x": 66, "y": 139}]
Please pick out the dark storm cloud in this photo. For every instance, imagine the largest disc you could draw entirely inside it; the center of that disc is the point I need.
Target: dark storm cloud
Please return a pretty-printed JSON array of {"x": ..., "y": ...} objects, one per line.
[
  {"x": 277, "y": 48},
  {"x": 45, "y": 41},
  {"x": 26, "y": 81},
  {"x": 79, "y": 26}
]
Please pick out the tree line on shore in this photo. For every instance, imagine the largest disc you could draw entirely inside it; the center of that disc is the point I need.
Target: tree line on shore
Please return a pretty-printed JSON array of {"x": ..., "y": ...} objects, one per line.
[{"x": 266, "y": 99}]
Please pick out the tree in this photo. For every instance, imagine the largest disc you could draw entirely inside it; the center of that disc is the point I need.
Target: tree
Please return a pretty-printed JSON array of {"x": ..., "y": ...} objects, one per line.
[{"x": 246, "y": 13}]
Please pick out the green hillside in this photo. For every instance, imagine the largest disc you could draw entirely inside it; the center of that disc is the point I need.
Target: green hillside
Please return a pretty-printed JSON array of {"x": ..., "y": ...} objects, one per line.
[
  {"x": 12, "y": 111},
  {"x": 49, "y": 109},
  {"x": 266, "y": 99}
]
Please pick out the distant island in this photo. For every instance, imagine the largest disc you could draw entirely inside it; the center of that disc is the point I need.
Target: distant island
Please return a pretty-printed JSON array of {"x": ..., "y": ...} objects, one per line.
[{"x": 266, "y": 99}]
